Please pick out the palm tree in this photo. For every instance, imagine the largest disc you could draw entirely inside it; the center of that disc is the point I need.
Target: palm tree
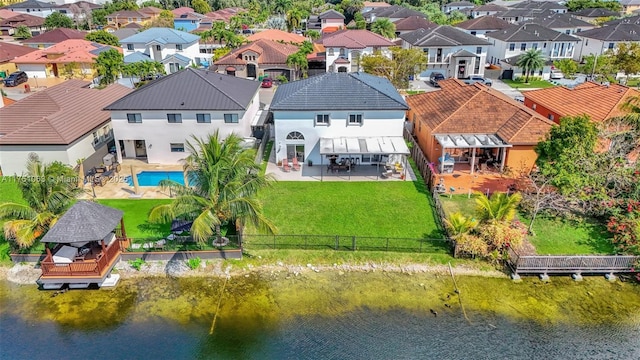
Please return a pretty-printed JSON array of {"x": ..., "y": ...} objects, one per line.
[
  {"x": 294, "y": 16},
  {"x": 48, "y": 191},
  {"x": 299, "y": 61},
  {"x": 384, "y": 27},
  {"x": 530, "y": 61},
  {"x": 459, "y": 224},
  {"x": 282, "y": 6},
  {"x": 500, "y": 207},
  {"x": 224, "y": 180},
  {"x": 313, "y": 34}
]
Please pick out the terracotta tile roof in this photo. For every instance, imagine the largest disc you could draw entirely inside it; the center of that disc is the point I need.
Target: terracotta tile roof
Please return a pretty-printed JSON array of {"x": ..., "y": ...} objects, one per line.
[
  {"x": 73, "y": 50},
  {"x": 58, "y": 115},
  {"x": 600, "y": 102},
  {"x": 269, "y": 52},
  {"x": 374, "y": 4},
  {"x": 55, "y": 36},
  {"x": 459, "y": 108},
  {"x": 125, "y": 14},
  {"x": 355, "y": 39},
  {"x": 182, "y": 10},
  {"x": 224, "y": 14},
  {"x": 5, "y": 14},
  {"x": 150, "y": 10},
  {"x": 414, "y": 23},
  {"x": 8, "y": 52},
  {"x": 6, "y": 101},
  {"x": 277, "y": 35},
  {"x": 22, "y": 19}
]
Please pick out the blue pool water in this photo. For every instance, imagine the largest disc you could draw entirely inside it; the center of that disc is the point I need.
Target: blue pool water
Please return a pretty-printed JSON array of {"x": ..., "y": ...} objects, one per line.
[{"x": 153, "y": 178}]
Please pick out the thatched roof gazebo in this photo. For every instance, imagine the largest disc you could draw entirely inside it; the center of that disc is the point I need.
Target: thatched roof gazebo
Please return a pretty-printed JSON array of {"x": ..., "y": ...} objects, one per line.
[{"x": 85, "y": 221}]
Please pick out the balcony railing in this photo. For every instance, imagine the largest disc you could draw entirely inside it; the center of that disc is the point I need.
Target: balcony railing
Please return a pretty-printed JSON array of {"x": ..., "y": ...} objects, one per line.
[{"x": 84, "y": 268}]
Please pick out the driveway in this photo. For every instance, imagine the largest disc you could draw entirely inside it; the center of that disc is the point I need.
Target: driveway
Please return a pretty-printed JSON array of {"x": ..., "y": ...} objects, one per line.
[
  {"x": 266, "y": 95},
  {"x": 506, "y": 89}
]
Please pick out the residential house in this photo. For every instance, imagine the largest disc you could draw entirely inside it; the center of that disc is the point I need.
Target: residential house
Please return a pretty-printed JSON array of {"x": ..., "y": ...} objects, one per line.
[
  {"x": 124, "y": 33},
  {"x": 33, "y": 7},
  {"x": 69, "y": 58},
  {"x": 591, "y": 15},
  {"x": 68, "y": 9},
  {"x": 119, "y": 19},
  {"x": 156, "y": 121},
  {"x": 624, "y": 20},
  {"x": 62, "y": 123},
  {"x": 599, "y": 40},
  {"x": 486, "y": 10},
  {"x": 53, "y": 37},
  {"x": 598, "y": 101},
  {"x": 353, "y": 115},
  {"x": 511, "y": 42},
  {"x": 182, "y": 10},
  {"x": 188, "y": 21},
  {"x": 565, "y": 23},
  {"x": 393, "y": 13},
  {"x": 344, "y": 49},
  {"x": 449, "y": 51},
  {"x": 152, "y": 11},
  {"x": 8, "y": 52},
  {"x": 327, "y": 21},
  {"x": 473, "y": 127},
  {"x": 462, "y": 6},
  {"x": 5, "y": 14},
  {"x": 277, "y": 35},
  {"x": 370, "y": 5},
  {"x": 258, "y": 58},
  {"x": 34, "y": 23},
  {"x": 482, "y": 25},
  {"x": 630, "y": 6},
  {"x": 554, "y": 6},
  {"x": 412, "y": 23},
  {"x": 175, "y": 49},
  {"x": 520, "y": 15},
  {"x": 224, "y": 14}
]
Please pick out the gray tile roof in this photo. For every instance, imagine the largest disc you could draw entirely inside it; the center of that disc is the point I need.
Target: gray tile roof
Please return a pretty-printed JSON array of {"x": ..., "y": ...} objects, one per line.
[
  {"x": 620, "y": 32},
  {"x": 330, "y": 14},
  {"x": 338, "y": 91},
  {"x": 84, "y": 221},
  {"x": 484, "y": 23},
  {"x": 529, "y": 32},
  {"x": 561, "y": 21},
  {"x": 596, "y": 12},
  {"x": 524, "y": 13},
  {"x": 31, "y": 4},
  {"x": 543, "y": 5},
  {"x": 626, "y": 20},
  {"x": 191, "y": 89},
  {"x": 442, "y": 35}
]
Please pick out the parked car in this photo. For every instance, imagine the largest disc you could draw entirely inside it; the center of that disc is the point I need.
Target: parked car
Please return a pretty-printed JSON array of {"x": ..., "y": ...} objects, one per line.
[
  {"x": 434, "y": 78},
  {"x": 267, "y": 83},
  {"x": 475, "y": 78},
  {"x": 556, "y": 74},
  {"x": 16, "y": 78}
]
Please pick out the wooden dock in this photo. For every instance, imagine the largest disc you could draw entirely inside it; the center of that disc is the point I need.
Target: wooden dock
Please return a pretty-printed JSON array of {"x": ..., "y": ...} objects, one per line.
[{"x": 578, "y": 264}]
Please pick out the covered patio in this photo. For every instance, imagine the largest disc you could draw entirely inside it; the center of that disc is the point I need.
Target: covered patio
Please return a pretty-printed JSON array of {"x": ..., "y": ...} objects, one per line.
[
  {"x": 349, "y": 154},
  {"x": 471, "y": 152}
]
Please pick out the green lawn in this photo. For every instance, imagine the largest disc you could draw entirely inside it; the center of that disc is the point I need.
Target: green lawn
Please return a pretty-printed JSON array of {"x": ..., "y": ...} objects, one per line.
[
  {"x": 532, "y": 84},
  {"x": 553, "y": 236},
  {"x": 9, "y": 191},
  {"x": 136, "y": 214},
  {"x": 384, "y": 209},
  {"x": 265, "y": 157}
]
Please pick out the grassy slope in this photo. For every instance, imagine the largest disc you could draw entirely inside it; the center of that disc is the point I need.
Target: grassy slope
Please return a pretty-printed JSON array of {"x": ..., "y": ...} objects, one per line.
[{"x": 394, "y": 209}]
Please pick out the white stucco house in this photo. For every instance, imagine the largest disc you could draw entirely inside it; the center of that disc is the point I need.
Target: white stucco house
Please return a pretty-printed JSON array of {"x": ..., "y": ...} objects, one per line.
[
  {"x": 344, "y": 48},
  {"x": 173, "y": 48},
  {"x": 354, "y": 115},
  {"x": 449, "y": 51},
  {"x": 33, "y": 7},
  {"x": 600, "y": 40},
  {"x": 154, "y": 122},
  {"x": 63, "y": 123}
]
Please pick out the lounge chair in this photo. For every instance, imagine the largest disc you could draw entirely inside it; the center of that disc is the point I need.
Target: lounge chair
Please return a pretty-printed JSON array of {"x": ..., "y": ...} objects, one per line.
[
  {"x": 285, "y": 166},
  {"x": 296, "y": 165}
]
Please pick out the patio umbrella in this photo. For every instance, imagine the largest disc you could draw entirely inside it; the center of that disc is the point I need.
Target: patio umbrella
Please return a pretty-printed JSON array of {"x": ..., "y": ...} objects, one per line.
[
  {"x": 81, "y": 175},
  {"x": 134, "y": 177}
]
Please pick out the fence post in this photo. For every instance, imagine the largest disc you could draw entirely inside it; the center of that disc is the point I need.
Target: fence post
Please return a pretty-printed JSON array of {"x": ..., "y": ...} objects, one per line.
[
  {"x": 421, "y": 241},
  {"x": 353, "y": 243},
  {"x": 337, "y": 242}
]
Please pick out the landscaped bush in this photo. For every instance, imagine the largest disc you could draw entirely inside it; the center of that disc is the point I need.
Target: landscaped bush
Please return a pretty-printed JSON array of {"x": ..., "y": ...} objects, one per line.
[
  {"x": 521, "y": 79},
  {"x": 137, "y": 263},
  {"x": 194, "y": 263},
  {"x": 624, "y": 224}
]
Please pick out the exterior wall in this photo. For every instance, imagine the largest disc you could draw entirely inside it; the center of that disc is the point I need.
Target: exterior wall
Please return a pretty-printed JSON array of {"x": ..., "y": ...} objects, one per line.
[
  {"x": 8, "y": 68},
  {"x": 34, "y": 70},
  {"x": 192, "y": 51},
  {"x": 374, "y": 124},
  {"x": 574, "y": 30},
  {"x": 447, "y": 8},
  {"x": 521, "y": 158},
  {"x": 35, "y": 12},
  {"x": 549, "y": 114},
  {"x": 332, "y": 54},
  {"x": 158, "y": 134},
  {"x": 478, "y": 33},
  {"x": 477, "y": 14},
  {"x": 500, "y": 49},
  {"x": 629, "y": 9},
  {"x": 339, "y": 23},
  {"x": 593, "y": 47},
  {"x": 448, "y": 64}
]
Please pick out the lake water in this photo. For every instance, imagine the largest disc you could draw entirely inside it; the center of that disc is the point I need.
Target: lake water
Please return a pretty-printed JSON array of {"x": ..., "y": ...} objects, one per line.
[{"x": 325, "y": 316}]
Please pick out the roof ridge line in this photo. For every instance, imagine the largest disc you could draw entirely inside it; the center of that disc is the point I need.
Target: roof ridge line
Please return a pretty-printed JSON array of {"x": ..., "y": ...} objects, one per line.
[
  {"x": 383, "y": 93},
  {"x": 459, "y": 107},
  {"x": 215, "y": 86}
]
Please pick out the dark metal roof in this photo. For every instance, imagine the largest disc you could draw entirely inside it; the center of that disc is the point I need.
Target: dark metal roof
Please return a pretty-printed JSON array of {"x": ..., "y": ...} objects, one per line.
[
  {"x": 596, "y": 12},
  {"x": 625, "y": 20},
  {"x": 530, "y": 32},
  {"x": 84, "y": 221},
  {"x": 442, "y": 35},
  {"x": 338, "y": 91},
  {"x": 191, "y": 89},
  {"x": 330, "y": 14},
  {"x": 561, "y": 21},
  {"x": 620, "y": 32}
]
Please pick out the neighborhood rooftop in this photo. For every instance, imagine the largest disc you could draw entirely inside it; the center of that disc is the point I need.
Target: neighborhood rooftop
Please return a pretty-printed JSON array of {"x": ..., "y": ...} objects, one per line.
[
  {"x": 619, "y": 32},
  {"x": 442, "y": 35},
  {"x": 161, "y": 36},
  {"x": 338, "y": 91},
  {"x": 530, "y": 32}
]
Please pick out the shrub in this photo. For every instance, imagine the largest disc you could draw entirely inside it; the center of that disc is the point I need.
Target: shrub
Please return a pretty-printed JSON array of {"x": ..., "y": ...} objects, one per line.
[
  {"x": 137, "y": 263},
  {"x": 194, "y": 263}
]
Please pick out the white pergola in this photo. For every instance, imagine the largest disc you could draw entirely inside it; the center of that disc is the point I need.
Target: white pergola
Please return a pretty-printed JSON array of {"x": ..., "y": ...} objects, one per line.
[{"x": 473, "y": 141}]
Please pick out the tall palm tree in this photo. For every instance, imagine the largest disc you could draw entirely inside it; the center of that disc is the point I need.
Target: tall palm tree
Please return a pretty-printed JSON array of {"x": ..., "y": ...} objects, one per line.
[
  {"x": 224, "y": 180},
  {"x": 530, "y": 61},
  {"x": 384, "y": 27},
  {"x": 300, "y": 62},
  {"x": 499, "y": 207},
  {"x": 282, "y": 6},
  {"x": 294, "y": 17},
  {"x": 48, "y": 191}
]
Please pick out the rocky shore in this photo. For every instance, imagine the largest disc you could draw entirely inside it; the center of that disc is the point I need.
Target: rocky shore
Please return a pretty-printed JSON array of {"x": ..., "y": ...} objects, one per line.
[{"x": 29, "y": 273}]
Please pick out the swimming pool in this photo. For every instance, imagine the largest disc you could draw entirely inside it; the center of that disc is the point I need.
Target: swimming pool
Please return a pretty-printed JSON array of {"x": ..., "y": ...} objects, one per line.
[{"x": 153, "y": 178}]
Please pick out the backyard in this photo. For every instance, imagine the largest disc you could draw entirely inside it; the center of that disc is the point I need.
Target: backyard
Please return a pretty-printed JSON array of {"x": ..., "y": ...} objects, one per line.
[{"x": 553, "y": 236}]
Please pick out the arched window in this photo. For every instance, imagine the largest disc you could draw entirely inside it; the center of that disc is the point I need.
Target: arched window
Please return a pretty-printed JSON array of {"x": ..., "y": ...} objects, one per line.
[{"x": 294, "y": 135}]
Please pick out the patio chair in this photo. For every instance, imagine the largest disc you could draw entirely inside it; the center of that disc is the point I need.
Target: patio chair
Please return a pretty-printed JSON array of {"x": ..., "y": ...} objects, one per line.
[
  {"x": 296, "y": 165},
  {"x": 285, "y": 166}
]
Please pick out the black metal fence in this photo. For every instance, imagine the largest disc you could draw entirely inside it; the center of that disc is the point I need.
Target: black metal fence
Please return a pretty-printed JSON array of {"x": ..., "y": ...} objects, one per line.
[
  {"x": 183, "y": 243},
  {"x": 345, "y": 243}
]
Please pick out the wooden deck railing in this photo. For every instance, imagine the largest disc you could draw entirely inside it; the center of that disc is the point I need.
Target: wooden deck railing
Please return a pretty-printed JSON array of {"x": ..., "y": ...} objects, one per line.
[
  {"x": 90, "y": 268},
  {"x": 536, "y": 264}
]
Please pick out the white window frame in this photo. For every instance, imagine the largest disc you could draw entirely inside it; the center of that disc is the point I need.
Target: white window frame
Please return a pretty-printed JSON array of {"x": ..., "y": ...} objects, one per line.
[
  {"x": 356, "y": 122},
  {"x": 176, "y": 147},
  {"x": 326, "y": 120}
]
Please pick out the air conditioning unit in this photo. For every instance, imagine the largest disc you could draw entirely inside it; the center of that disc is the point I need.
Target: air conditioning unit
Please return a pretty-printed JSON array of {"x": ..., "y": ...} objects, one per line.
[{"x": 108, "y": 160}]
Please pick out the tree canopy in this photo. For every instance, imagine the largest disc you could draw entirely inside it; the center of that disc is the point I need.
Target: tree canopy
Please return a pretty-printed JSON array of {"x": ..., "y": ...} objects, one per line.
[
  {"x": 103, "y": 37},
  {"x": 22, "y": 32},
  {"x": 109, "y": 65},
  {"x": 397, "y": 69},
  {"x": 575, "y": 5},
  {"x": 384, "y": 27},
  {"x": 530, "y": 61},
  {"x": 58, "y": 20},
  {"x": 200, "y": 6}
]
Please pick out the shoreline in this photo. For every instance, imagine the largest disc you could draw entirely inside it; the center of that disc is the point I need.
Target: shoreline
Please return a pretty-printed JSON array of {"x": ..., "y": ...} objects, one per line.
[{"x": 27, "y": 274}]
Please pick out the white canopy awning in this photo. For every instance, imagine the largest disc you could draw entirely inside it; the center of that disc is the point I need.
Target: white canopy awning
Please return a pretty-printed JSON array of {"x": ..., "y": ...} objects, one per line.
[
  {"x": 466, "y": 141},
  {"x": 362, "y": 145}
]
